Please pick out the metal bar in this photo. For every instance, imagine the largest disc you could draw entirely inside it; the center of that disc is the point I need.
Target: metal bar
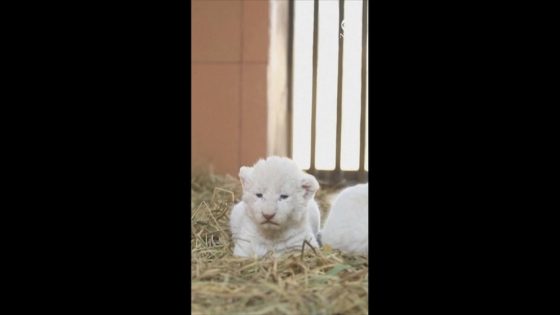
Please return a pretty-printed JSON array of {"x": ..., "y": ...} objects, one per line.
[
  {"x": 325, "y": 178},
  {"x": 314, "y": 87},
  {"x": 364, "y": 87},
  {"x": 290, "y": 64},
  {"x": 339, "y": 88}
]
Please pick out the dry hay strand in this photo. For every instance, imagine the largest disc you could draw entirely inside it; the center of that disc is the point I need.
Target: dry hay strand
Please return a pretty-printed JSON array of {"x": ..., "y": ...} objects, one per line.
[{"x": 307, "y": 281}]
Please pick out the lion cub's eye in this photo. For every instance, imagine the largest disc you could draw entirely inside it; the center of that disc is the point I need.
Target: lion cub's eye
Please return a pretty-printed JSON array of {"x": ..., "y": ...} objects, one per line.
[
  {"x": 283, "y": 196},
  {"x": 259, "y": 195}
]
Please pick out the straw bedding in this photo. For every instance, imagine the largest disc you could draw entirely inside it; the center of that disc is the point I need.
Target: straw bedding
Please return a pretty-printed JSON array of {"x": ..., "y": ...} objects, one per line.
[{"x": 309, "y": 281}]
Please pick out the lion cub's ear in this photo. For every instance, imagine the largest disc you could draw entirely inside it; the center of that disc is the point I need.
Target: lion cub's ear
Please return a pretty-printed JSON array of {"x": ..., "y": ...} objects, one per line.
[
  {"x": 310, "y": 185},
  {"x": 245, "y": 176}
]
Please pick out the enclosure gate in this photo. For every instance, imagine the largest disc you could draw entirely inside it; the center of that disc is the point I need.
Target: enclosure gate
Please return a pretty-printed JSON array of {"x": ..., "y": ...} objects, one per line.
[{"x": 336, "y": 175}]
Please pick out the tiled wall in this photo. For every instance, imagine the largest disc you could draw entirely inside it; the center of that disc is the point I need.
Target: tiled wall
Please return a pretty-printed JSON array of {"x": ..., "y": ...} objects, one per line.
[{"x": 229, "y": 63}]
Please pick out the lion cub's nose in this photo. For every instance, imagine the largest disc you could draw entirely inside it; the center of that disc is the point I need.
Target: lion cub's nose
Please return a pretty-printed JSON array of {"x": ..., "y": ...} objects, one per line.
[{"x": 269, "y": 216}]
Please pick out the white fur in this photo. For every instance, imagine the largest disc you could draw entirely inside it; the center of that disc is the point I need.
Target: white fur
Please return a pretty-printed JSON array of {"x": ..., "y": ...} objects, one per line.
[
  {"x": 346, "y": 227},
  {"x": 296, "y": 217}
]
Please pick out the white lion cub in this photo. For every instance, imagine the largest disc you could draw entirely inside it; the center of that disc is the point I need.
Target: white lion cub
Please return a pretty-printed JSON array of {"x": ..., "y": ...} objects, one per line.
[
  {"x": 346, "y": 226},
  {"x": 277, "y": 212}
]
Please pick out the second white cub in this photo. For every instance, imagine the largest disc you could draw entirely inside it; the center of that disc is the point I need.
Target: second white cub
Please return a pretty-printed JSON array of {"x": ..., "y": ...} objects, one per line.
[{"x": 346, "y": 226}]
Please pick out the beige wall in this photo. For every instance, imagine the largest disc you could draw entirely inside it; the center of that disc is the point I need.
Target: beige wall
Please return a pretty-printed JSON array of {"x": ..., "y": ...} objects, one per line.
[{"x": 229, "y": 62}]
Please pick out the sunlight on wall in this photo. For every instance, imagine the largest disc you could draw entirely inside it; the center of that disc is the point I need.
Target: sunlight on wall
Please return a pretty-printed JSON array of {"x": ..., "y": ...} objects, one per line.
[
  {"x": 327, "y": 72},
  {"x": 302, "y": 82},
  {"x": 351, "y": 86}
]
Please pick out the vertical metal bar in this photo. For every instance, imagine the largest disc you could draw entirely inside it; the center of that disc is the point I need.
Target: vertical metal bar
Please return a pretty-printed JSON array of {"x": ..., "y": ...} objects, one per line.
[
  {"x": 364, "y": 87},
  {"x": 339, "y": 88},
  {"x": 314, "y": 87},
  {"x": 290, "y": 63}
]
